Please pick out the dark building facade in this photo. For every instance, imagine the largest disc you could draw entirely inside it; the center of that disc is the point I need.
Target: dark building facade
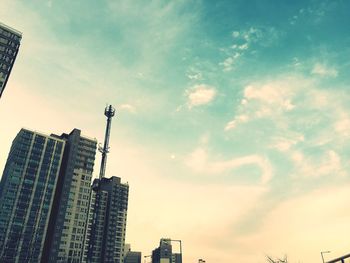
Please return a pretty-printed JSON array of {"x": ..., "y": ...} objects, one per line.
[
  {"x": 9, "y": 45},
  {"x": 164, "y": 253},
  {"x": 132, "y": 257},
  {"x": 71, "y": 204},
  {"x": 105, "y": 237},
  {"x": 27, "y": 191}
]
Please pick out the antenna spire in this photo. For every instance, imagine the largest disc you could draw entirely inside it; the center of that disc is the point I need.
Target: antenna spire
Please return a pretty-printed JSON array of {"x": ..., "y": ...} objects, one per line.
[{"x": 109, "y": 113}]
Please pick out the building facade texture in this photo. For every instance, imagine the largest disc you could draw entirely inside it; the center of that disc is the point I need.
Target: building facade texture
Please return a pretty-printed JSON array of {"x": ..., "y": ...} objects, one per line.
[
  {"x": 9, "y": 45},
  {"x": 133, "y": 257},
  {"x": 26, "y": 195},
  {"x": 164, "y": 253},
  {"x": 71, "y": 204},
  {"x": 49, "y": 212},
  {"x": 105, "y": 238}
]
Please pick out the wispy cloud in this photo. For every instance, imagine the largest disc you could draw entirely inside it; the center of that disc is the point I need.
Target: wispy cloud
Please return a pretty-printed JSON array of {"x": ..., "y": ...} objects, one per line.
[
  {"x": 200, "y": 162},
  {"x": 127, "y": 107},
  {"x": 201, "y": 94},
  {"x": 286, "y": 142},
  {"x": 324, "y": 71},
  {"x": 261, "y": 100},
  {"x": 313, "y": 13},
  {"x": 296, "y": 107},
  {"x": 329, "y": 163},
  {"x": 244, "y": 40}
]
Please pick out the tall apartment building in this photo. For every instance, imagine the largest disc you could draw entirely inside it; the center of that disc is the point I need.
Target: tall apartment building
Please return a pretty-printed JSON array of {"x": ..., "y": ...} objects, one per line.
[
  {"x": 9, "y": 45},
  {"x": 105, "y": 238},
  {"x": 26, "y": 195},
  {"x": 71, "y": 204}
]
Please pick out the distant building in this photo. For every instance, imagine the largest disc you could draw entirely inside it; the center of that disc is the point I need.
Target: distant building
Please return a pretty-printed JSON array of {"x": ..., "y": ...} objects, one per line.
[
  {"x": 164, "y": 253},
  {"x": 9, "y": 44},
  {"x": 26, "y": 195},
  {"x": 105, "y": 238},
  {"x": 131, "y": 256},
  {"x": 176, "y": 258},
  {"x": 127, "y": 248},
  {"x": 71, "y": 204}
]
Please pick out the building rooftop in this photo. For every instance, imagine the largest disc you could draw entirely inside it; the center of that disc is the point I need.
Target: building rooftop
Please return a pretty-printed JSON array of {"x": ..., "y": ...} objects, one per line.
[{"x": 12, "y": 30}]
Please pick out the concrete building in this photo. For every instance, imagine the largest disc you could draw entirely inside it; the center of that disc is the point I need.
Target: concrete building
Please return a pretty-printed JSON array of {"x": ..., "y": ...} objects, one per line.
[
  {"x": 71, "y": 204},
  {"x": 165, "y": 254},
  {"x": 105, "y": 238},
  {"x": 176, "y": 258},
  {"x": 131, "y": 256},
  {"x": 27, "y": 191},
  {"x": 9, "y": 45}
]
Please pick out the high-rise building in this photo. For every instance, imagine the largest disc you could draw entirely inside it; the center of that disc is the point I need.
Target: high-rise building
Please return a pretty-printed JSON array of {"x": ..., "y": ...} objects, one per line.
[
  {"x": 9, "y": 44},
  {"x": 71, "y": 204},
  {"x": 105, "y": 237},
  {"x": 27, "y": 191},
  {"x": 164, "y": 253}
]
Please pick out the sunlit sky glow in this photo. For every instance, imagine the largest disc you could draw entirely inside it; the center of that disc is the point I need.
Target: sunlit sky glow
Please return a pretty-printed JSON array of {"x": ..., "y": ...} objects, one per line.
[{"x": 232, "y": 123}]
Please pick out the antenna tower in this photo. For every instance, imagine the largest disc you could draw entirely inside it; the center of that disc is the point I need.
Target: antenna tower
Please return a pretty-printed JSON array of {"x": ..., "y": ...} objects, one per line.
[{"x": 109, "y": 113}]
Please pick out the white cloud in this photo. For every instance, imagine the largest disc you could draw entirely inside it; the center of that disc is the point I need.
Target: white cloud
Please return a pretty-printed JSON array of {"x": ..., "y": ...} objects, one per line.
[
  {"x": 127, "y": 107},
  {"x": 230, "y": 125},
  {"x": 307, "y": 125},
  {"x": 239, "y": 119},
  {"x": 229, "y": 61},
  {"x": 297, "y": 157},
  {"x": 262, "y": 100},
  {"x": 262, "y": 163},
  {"x": 243, "y": 40},
  {"x": 199, "y": 161},
  {"x": 342, "y": 126},
  {"x": 197, "y": 76},
  {"x": 243, "y": 47},
  {"x": 296, "y": 62},
  {"x": 324, "y": 71},
  {"x": 329, "y": 164},
  {"x": 284, "y": 144},
  {"x": 235, "y": 34},
  {"x": 271, "y": 94},
  {"x": 200, "y": 95}
]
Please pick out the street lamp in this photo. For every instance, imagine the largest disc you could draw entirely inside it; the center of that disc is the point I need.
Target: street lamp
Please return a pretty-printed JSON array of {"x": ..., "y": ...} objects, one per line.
[{"x": 324, "y": 252}]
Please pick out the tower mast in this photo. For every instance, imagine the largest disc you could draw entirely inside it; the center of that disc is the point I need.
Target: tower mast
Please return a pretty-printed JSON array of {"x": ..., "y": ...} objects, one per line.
[{"x": 109, "y": 113}]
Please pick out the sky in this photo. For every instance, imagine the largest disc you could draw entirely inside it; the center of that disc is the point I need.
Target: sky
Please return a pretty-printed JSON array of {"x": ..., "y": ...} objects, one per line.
[{"x": 233, "y": 117}]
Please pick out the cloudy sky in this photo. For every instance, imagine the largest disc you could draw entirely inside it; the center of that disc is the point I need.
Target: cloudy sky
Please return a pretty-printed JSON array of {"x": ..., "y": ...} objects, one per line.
[{"x": 232, "y": 123}]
